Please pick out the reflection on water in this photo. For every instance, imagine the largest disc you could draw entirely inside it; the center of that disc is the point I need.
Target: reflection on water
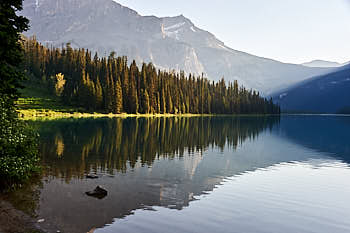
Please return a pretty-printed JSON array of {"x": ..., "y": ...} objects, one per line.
[
  {"x": 262, "y": 201},
  {"x": 75, "y": 147},
  {"x": 210, "y": 174},
  {"x": 329, "y": 134}
]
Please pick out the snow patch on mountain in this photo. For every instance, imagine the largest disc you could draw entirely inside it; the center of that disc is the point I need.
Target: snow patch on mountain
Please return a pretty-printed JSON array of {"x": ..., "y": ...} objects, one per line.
[
  {"x": 173, "y": 34},
  {"x": 174, "y": 31},
  {"x": 178, "y": 25}
]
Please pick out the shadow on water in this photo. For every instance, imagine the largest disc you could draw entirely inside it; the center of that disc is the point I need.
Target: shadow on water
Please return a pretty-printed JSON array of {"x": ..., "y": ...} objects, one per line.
[
  {"x": 328, "y": 134},
  {"x": 168, "y": 162}
]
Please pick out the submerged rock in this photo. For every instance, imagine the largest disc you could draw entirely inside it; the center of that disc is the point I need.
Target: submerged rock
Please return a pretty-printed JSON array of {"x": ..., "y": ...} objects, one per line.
[
  {"x": 98, "y": 192},
  {"x": 91, "y": 176}
]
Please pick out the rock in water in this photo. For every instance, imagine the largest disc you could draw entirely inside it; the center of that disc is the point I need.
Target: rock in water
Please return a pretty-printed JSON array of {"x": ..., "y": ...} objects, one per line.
[
  {"x": 91, "y": 176},
  {"x": 98, "y": 192}
]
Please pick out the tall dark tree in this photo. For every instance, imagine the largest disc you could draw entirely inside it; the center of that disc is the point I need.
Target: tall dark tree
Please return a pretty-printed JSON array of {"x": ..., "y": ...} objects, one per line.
[
  {"x": 18, "y": 148},
  {"x": 118, "y": 98},
  {"x": 144, "y": 105},
  {"x": 11, "y": 27}
]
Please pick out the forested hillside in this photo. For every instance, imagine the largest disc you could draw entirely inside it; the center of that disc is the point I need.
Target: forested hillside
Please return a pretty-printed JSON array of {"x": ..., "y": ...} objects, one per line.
[{"x": 108, "y": 84}]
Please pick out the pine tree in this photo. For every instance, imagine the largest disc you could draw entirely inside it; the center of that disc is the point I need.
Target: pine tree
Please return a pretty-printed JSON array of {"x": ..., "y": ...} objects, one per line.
[
  {"x": 158, "y": 104},
  {"x": 125, "y": 88},
  {"x": 133, "y": 105},
  {"x": 99, "y": 95},
  {"x": 163, "y": 102},
  {"x": 11, "y": 27},
  {"x": 144, "y": 107},
  {"x": 118, "y": 98},
  {"x": 169, "y": 103}
]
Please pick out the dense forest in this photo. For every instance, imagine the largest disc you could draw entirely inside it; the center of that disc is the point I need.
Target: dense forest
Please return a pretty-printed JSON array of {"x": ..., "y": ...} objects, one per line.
[{"x": 109, "y": 84}]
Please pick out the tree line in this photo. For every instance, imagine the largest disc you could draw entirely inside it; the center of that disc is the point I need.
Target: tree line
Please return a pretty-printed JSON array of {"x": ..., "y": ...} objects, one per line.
[{"x": 110, "y": 84}]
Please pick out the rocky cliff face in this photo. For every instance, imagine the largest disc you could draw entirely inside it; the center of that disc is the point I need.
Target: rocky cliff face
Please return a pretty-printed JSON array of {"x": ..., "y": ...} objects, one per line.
[{"x": 169, "y": 43}]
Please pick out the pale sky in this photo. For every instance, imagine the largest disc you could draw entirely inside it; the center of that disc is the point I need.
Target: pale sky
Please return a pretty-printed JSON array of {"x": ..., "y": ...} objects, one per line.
[{"x": 292, "y": 31}]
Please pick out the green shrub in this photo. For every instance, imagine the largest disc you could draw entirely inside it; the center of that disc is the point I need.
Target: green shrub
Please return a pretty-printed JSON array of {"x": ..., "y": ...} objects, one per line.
[{"x": 18, "y": 147}]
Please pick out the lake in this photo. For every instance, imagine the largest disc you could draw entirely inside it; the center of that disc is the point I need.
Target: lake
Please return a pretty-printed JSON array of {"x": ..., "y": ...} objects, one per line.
[{"x": 193, "y": 174}]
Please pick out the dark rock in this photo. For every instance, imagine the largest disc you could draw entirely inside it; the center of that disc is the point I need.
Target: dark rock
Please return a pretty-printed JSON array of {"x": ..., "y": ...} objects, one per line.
[
  {"x": 98, "y": 192},
  {"x": 91, "y": 176}
]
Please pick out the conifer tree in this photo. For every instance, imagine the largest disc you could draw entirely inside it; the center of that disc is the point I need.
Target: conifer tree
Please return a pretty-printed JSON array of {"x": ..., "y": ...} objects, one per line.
[
  {"x": 163, "y": 108},
  {"x": 10, "y": 48},
  {"x": 133, "y": 105},
  {"x": 144, "y": 107},
  {"x": 99, "y": 95},
  {"x": 118, "y": 98},
  {"x": 169, "y": 103}
]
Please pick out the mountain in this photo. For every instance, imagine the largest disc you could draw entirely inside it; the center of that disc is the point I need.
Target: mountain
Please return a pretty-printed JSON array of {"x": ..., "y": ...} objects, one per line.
[
  {"x": 169, "y": 42},
  {"x": 322, "y": 63},
  {"x": 329, "y": 93}
]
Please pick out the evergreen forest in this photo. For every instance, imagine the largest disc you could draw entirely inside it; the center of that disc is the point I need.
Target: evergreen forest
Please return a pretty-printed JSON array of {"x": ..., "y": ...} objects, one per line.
[{"x": 114, "y": 85}]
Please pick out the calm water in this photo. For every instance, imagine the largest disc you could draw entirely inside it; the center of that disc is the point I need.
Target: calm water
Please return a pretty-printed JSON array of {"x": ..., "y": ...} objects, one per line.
[{"x": 219, "y": 174}]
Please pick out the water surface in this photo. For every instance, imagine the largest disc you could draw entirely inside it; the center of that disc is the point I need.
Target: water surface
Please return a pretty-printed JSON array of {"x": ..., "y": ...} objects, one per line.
[{"x": 200, "y": 174}]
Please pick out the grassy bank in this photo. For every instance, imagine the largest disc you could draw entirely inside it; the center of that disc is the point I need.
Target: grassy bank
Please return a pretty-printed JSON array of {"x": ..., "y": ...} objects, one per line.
[
  {"x": 39, "y": 103},
  {"x": 50, "y": 114}
]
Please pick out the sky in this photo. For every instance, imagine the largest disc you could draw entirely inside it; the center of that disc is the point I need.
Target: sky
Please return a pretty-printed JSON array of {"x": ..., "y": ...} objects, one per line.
[{"x": 293, "y": 31}]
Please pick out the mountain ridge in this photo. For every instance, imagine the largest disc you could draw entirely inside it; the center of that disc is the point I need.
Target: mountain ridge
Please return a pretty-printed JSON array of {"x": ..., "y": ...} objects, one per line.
[
  {"x": 328, "y": 93},
  {"x": 323, "y": 63}
]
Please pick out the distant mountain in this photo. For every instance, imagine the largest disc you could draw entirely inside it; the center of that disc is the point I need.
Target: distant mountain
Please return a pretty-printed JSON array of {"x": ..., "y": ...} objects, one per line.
[
  {"x": 329, "y": 93},
  {"x": 322, "y": 63},
  {"x": 169, "y": 43}
]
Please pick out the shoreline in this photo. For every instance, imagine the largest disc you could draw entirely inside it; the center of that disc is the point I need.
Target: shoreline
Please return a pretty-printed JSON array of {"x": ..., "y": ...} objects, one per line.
[
  {"x": 32, "y": 114},
  {"x": 13, "y": 220}
]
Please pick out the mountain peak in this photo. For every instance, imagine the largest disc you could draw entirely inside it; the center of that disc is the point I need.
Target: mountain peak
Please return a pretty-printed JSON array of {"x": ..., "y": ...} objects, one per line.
[{"x": 181, "y": 17}]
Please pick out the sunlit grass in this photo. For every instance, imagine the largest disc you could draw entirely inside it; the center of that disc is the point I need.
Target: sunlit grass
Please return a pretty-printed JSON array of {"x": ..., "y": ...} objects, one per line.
[
  {"x": 29, "y": 114},
  {"x": 39, "y": 103}
]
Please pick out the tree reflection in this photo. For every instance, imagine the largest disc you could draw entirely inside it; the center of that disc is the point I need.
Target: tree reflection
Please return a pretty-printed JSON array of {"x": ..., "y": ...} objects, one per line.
[{"x": 74, "y": 147}]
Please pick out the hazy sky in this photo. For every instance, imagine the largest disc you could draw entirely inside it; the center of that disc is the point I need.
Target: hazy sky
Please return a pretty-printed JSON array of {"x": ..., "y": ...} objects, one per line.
[{"x": 287, "y": 30}]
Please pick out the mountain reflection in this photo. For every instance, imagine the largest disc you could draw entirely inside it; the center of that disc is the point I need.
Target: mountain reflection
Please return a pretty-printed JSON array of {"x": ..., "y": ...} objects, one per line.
[{"x": 72, "y": 148}]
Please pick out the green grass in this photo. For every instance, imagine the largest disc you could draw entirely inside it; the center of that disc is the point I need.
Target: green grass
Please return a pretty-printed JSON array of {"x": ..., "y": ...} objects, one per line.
[
  {"x": 38, "y": 102},
  {"x": 34, "y": 97}
]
